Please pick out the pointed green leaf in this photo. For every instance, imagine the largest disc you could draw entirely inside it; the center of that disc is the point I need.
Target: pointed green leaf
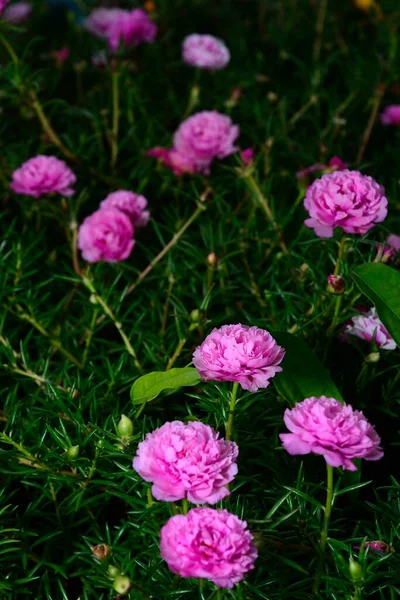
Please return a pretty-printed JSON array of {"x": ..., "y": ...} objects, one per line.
[
  {"x": 382, "y": 286},
  {"x": 149, "y": 386}
]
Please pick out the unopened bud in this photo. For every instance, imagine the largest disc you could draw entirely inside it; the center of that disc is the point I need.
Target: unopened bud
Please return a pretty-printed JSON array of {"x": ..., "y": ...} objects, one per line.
[
  {"x": 355, "y": 570},
  {"x": 101, "y": 551},
  {"x": 73, "y": 451},
  {"x": 336, "y": 284},
  {"x": 373, "y": 357},
  {"x": 121, "y": 584},
  {"x": 113, "y": 571},
  {"x": 195, "y": 315},
  {"x": 272, "y": 97},
  {"x": 125, "y": 427},
  {"x": 212, "y": 259}
]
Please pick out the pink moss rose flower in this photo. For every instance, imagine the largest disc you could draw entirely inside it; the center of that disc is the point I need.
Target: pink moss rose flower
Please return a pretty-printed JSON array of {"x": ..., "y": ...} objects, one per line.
[
  {"x": 43, "y": 175},
  {"x": 346, "y": 199},
  {"x": 208, "y": 544},
  {"x": 133, "y": 205},
  {"x": 369, "y": 327},
  {"x": 174, "y": 160},
  {"x": 17, "y": 12},
  {"x": 130, "y": 27},
  {"x": 187, "y": 461},
  {"x": 337, "y": 432},
  {"x": 391, "y": 115},
  {"x": 205, "y": 52},
  {"x": 106, "y": 235},
  {"x": 205, "y": 136},
  {"x": 248, "y": 355}
]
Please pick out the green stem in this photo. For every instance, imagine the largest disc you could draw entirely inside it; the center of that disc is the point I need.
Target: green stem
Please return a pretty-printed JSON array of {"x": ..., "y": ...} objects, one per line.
[
  {"x": 325, "y": 528},
  {"x": 339, "y": 298},
  {"x": 89, "y": 336},
  {"x": 219, "y": 594},
  {"x": 185, "y": 506},
  {"x": 150, "y": 501},
  {"x": 9, "y": 49},
  {"x": 232, "y": 404},
  {"x": 115, "y": 118},
  {"x": 176, "y": 353},
  {"x": 74, "y": 247}
]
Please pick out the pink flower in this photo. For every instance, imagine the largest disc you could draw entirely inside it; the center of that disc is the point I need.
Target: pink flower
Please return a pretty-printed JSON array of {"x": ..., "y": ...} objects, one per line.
[
  {"x": 205, "y": 52},
  {"x": 61, "y": 55},
  {"x": 17, "y": 12},
  {"x": 174, "y": 160},
  {"x": 391, "y": 115},
  {"x": 377, "y": 545},
  {"x": 106, "y": 235},
  {"x": 394, "y": 242},
  {"x": 369, "y": 327},
  {"x": 247, "y": 156},
  {"x": 337, "y": 432},
  {"x": 43, "y": 175},
  {"x": 248, "y": 355},
  {"x": 208, "y": 544},
  {"x": 336, "y": 284},
  {"x": 130, "y": 27},
  {"x": 389, "y": 250},
  {"x": 133, "y": 205},
  {"x": 3, "y": 4},
  {"x": 205, "y": 136},
  {"x": 101, "y": 20},
  {"x": 346, "y": 199},
  {"x": 187, "y": 461}
]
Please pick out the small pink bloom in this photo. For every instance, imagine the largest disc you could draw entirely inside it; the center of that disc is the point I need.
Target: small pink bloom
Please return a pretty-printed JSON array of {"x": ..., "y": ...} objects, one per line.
[
  {"x": 205, "y": 52},
  {"x": 336, "y": 164},
  {"x": 391, "y": 115},
  {"x": 43, "y": 175},
  {"x": 106, "y": 235},
  {"x": 61, "y": 55},
  {"x": 346, "y": 199},
  {"x": 369, "y": 327},
  {"x": 337, "y": 432},
  {"x": 247, "y": 156},
  {"x": 248, "y": 355},
  {"x": 129, "y": 27},
  {"x": 377, "y": 545},
  {"x": 187, "y": 461},
  {"x": 389, "y": 250},
  {"x": 3, "y": 4},
  {"x": 174, "y": 160},
  {"x": 133, "y": 205},
  {"x": 336, "y": 283},
  {"x": 17, "y": 12},
  {"x": 208, "y": 544},
  {"x": 205, "y": 136},
  {"x": 394, "y": 242}
]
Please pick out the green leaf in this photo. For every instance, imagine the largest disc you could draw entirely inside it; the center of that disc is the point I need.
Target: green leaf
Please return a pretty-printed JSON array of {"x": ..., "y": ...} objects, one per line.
[
  {"x": 303, "y": 374},
  {"x": 149, "y": 386},
  {"x": 382, "y": 286}
]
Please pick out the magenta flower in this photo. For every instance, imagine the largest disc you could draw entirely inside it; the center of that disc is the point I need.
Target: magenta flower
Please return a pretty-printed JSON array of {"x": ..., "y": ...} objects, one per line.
[
  {"x": 369, "y": 327},
  {"x": 133, "y": 205},
  {"x": 208, "y": 544},
  {"x": 187, "y": 461},
  {"x": 43, "y": 175},
  {"x": 205, "y": 136},
  {"x": 205, "y": 52},
  {"x": 17, "y": 12},
  {"x": 3, "y": 4},
  {"x": 61, "y": 56},
  {"x": 247, "y": 156},
  {"x": 337, "y": 432},
  {"x": 129, "y": 27},
  {"x": 391, "y": 115},
  {"x": 174, "y": 160},
  {"x": 106, "y": 235},
  {"x": 346, "y": 199},
  {"x": 248, "y": 355}
]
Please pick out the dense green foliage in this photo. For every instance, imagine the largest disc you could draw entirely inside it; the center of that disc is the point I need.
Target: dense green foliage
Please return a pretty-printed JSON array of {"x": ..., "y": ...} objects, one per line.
[{"x": 307, "y": 94}]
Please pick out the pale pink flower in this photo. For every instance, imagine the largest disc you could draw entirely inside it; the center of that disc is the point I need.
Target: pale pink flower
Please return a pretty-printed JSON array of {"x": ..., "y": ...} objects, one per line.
[
  {"x": 187, "y": 461},
  {"x": 101, "y": 20},
  {"x": 43, "y": 175},
  {"x": 209, "y": 544},
  {"x": 337, "y": 432},
  {"x": 247, "y": 156},
  {"x": 174, "y": 160},
  {"x": 106, "y": 235},
  {"x": 369, "y": 327},
  {"x": 346, "y": 199},
  {"x": 205, "y": 52},
  {"x": 133, "y": 205},
  {"x": 205, "y": 136},
  {"x": 391, "y": 115},
  {"x": 17, "y": 12},
  {"x": 248, "y": 355},
  {"x": 129, "y": 27}
]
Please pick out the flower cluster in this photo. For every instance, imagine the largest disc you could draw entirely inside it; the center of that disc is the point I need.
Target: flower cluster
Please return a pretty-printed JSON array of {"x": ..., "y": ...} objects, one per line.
[
  {"x": 43, "y": 175},
  {"x": 205, "y": 52},
  {"x": 118, "y": 26},
  {"x": 108, "y": 234},
  {"x": 369, "y": 327},
  {"x": 199, "y": 140}
]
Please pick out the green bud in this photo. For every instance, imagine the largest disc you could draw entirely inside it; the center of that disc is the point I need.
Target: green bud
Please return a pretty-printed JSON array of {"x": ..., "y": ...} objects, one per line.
[
  {"x": 125, "y": 427},
  {"x": 113, "y": 571},
  {"x": 73, "y": 451},
  {"x": 355, "y": 570},
  {"x": 195, "y": 316},
  {"x": 121, "y": 584},
  {"x": 373, "y": 357}
]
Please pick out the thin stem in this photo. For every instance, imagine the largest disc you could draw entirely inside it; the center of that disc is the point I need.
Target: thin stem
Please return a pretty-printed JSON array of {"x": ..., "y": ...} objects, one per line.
[
  {"x": 325, "y": 528},
  {"x": 339, "y": 298},
  {"x": 312, "y": 100},
  {"x": 176, "y": 353},
  {"x": 379, "y": 92},
  {"x": 113, "y": 318},
  {"x": 263, "y": 202},
  {"x": 185, "y": 506},
  {"x": 200, "y": 208},
  {"x": 74, "y": 247},
  {"x": 219, "y": 594},
  {"x": 150, "y": 501},
  {"x": 115, "y": 118},
  {"x": 89, "y": 336},
  {"x": 9, "y": 49},
  {"x": 232, "y": 404},
  {"x": 319, "y": 29}
]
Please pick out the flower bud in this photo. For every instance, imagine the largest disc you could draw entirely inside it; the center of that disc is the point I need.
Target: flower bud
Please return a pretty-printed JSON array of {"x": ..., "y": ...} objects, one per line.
[
  {"x": 113, "y": 571},
  {"x": 212, "y": 259},
  {"x": 73, "y": 452},
  {"x": 101, "y": 551},
  {"x": 121, "y": 584},
  {"x": 195, "y": 315},
  {"x": 125, "y": 426},
  {"x": 336, "y": 284},
  {"x": 372, "y": 358},
  {"x": 355, "y": 570},
  {"x": 247, "y": 156}
]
